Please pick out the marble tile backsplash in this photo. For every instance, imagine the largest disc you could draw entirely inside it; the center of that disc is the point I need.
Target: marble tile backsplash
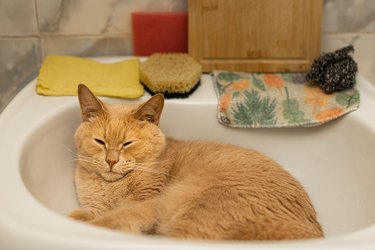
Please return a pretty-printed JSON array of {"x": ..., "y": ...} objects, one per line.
[
  {"x": 33, "y": 29},
  {"x": 349, "y": 16},
  {"x": 18, "y": 18},
  {"x": 96, "y": 17},
  {"x": 87, "y": 46}
]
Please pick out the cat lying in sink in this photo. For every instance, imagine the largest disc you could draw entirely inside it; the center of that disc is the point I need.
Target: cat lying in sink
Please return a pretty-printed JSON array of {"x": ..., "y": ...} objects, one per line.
[{"x": 130, "y": 177}]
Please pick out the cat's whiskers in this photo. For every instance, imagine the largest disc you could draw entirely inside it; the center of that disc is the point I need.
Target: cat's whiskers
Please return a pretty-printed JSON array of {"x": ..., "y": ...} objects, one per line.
[
  {"x": 71, "y": 151},
  {"x": 77, "y": 154},
  {"x": 145, "y": 167},
  {"x": 89, "y": 160},
  {"x": 80, "y": 157},
  {"x": 85, "y": 160},
  {"x": 84, "y": 157},
  {"x": 77, "y": 158}
]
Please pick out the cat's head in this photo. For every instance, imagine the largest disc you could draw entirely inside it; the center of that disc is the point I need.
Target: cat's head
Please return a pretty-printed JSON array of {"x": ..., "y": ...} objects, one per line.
[{"x": 115, "y": 139}]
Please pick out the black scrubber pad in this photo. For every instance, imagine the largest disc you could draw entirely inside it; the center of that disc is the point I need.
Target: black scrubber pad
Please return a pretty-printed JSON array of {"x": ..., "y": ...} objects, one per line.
[{"x": 334, "y": 71}]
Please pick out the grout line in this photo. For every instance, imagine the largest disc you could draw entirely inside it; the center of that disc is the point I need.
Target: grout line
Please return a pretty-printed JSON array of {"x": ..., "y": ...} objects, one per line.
[
  {"x": 36, "y": 16},
  {"x": 67, "y": 35},
  {"x": 349, "y": 33},
  {"x": 44, "y": 35}
]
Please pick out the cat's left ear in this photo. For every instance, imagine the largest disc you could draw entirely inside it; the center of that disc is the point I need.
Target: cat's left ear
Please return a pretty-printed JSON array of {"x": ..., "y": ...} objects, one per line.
[{"x": 151, "y": 110}]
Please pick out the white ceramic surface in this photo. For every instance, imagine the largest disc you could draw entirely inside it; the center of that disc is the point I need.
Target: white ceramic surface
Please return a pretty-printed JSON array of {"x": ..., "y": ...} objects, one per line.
[{"x": 335, "y": 163}]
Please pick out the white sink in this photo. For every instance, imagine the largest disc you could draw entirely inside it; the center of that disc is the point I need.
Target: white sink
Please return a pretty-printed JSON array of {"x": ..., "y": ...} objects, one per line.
[{"x": 335, "y": 163}]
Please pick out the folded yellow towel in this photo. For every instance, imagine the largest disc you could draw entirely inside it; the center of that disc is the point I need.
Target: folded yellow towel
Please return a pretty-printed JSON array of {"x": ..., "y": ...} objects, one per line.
[{"x": 60, "y": 75}]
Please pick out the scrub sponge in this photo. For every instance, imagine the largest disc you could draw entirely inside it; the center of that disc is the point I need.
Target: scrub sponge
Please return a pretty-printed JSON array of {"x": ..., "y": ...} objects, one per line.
[
  {"x": 173, "y": 74},
  {"x": 334, "y": 71}
]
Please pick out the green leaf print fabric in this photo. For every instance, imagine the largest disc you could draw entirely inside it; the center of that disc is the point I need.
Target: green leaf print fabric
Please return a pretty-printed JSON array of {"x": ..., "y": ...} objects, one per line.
[{"x": 267, "y": 100}]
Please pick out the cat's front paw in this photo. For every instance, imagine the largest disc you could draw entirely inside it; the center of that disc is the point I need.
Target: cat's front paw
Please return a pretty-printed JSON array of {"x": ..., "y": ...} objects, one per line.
[
  {"x": 116, "y": 225},
  {"x": 81, "y": 215}
]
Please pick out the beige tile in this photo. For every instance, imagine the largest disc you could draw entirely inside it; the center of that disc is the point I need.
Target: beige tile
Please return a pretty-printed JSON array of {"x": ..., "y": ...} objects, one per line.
[
  {"x": 89, "y": 46},
  {"x": 349, "y": 16},
  {"x": 17, "y": 18},
  {"x": 85, "y": 17},
  {"x": 364, "y": 45},
  {"x": 20, "y": 62},
  {"x": 365, "y": 20}
]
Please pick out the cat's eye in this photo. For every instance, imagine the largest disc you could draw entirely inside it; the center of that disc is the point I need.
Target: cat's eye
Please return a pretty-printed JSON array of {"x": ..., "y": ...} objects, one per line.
[
  {"x": 127, "y": 143},
  {"x": 99, "y": 141}
]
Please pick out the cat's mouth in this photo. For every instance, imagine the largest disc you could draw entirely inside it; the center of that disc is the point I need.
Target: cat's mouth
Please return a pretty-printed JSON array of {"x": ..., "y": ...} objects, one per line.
[{"x": 113, "y": 176}]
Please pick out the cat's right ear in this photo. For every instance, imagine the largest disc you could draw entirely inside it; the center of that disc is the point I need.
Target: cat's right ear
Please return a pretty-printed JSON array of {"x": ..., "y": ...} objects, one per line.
[{"x": 90, "y": 105}]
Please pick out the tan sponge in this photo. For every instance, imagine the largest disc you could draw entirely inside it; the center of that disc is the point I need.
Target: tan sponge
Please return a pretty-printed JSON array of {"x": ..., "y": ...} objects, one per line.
[{"x": 172, "y": 74}]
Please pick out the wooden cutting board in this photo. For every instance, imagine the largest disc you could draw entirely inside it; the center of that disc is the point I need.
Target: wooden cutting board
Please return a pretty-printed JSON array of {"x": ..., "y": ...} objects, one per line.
[{"x": 255, "y": 35}]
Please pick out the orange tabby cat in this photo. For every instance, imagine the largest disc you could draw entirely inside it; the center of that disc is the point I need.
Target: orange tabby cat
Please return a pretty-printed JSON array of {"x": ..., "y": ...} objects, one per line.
[{"x": 130, "y": 177}]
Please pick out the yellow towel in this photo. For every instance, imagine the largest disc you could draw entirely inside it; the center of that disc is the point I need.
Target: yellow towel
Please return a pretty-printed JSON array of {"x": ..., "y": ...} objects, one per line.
[{"x": 60, "y": 75}]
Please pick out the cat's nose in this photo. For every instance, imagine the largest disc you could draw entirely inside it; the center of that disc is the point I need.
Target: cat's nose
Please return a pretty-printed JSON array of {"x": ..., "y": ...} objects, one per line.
[
  {"x": 112, "y": 157},
  {"x": 111, "y": 162}
]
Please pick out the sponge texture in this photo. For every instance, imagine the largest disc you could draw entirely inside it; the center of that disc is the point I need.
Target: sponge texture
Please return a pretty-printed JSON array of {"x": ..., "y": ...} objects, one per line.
[{"x": 170, "y": 73}]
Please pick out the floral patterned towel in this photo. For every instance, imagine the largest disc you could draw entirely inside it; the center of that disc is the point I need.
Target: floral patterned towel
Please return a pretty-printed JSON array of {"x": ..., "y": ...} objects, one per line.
[{"x": 259, "y": 100}]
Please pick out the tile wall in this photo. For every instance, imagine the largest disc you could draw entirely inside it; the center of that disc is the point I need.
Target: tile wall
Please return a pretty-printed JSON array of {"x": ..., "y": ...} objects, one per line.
[{"x": 32, "y": 29}]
